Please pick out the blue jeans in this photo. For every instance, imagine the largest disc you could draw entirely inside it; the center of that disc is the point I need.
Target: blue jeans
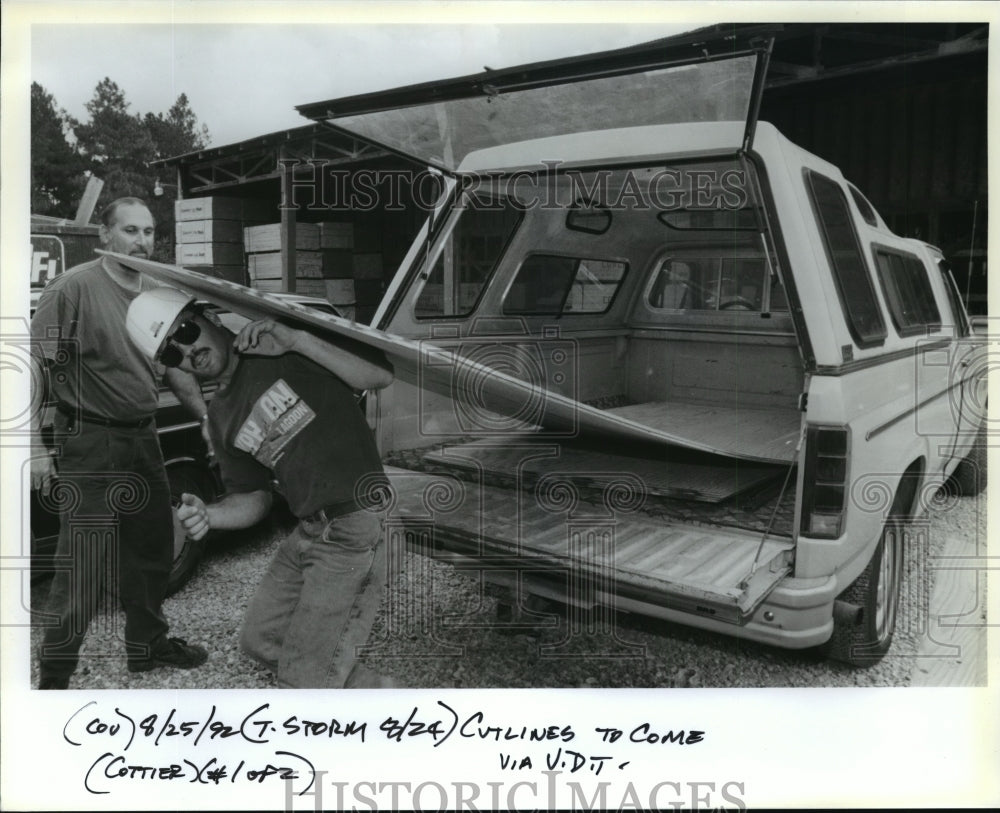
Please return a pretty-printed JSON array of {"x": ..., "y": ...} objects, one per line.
[{"x": 317, "y": 602}]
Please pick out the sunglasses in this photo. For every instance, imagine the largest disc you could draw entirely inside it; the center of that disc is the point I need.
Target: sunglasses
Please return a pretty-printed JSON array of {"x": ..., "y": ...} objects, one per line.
[{"x": 187, "y": 332}]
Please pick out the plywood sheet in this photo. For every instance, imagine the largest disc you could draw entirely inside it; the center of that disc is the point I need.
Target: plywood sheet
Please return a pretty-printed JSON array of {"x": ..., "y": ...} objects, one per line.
[
  {"x": 704, "y": 480},
  {"x": 440, "y": 370},
  {"x": 756, "y": 434}
]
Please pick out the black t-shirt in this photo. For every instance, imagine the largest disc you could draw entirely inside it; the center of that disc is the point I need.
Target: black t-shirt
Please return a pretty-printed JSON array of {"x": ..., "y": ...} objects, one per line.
[{"x": 288, "y": 418}]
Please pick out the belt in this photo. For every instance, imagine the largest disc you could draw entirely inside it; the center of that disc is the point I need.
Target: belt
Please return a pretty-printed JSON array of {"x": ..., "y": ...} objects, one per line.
[
  {"x": 331, "y": 512},
  {"x": 82, "y": 415}
]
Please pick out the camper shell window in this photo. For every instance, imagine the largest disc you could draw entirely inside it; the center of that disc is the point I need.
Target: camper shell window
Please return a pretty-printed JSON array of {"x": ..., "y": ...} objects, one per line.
[
  {"x": 907, "y": 292},
  {"x": 467, "y": 256},
  {"x": 843, "y": 250},
  {"x": 551, "y": 285}
]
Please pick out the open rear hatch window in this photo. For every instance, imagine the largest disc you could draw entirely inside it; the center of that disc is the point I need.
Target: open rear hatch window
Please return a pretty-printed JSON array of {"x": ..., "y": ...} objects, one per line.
[{"x": 709, "y": 75}]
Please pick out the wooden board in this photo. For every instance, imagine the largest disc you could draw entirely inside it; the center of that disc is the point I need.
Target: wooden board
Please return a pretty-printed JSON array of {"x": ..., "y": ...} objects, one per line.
[
  {"x": 267, "y": 265},
  {"x": 209, "y": 253},
  {"x": 250, "y": 210},
  {"x": 710, "y": 481},
  {"x": 429, "y": 366},
  {"x": 208, "y": 231},
  {"x": 758, "y": 434},
  {"x": 338, "y": 263},
  {"x": 268, "y": 237},
  {"x": 336, "y": 235}
]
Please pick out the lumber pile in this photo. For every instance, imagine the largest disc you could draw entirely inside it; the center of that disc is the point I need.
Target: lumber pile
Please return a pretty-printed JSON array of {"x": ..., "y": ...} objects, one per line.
[
  {"x": 209, "y": 234},
  {"x": 323, "y": 261}
]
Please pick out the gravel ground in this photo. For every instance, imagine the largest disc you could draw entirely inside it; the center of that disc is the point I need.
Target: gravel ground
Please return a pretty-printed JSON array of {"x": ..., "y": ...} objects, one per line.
[{"x": 440, "y": 630}]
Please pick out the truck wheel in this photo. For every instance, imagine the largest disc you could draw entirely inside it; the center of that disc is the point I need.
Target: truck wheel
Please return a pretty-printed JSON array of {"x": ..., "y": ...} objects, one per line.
[
  {"x": 969, "y": 477},
  {"x": 189, "y": 478},
  {"x": 863, "y": 640}
]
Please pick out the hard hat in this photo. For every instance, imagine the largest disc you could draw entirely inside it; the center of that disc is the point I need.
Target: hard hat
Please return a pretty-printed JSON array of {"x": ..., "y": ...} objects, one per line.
[{"x": 151, "y": 315}]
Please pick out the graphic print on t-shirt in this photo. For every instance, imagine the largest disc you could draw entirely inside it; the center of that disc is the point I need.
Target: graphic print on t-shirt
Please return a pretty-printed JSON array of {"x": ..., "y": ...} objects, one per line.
[{"x": 277, "y": 417}]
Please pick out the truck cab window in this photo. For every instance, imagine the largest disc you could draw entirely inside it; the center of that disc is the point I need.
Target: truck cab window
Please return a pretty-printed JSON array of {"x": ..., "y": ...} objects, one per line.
[{"x": 712, "y": 283}]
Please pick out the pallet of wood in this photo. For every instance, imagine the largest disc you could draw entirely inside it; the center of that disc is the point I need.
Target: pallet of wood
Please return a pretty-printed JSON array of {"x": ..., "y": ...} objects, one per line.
[
  {"x": 368, "y": 265},
  {"x": 338, "y": 263},
  {"x": 267, "y": 265},
  {"x": 208, "y": 231},
  {"x": 209, "y": 234},
  {"x": 336, "y": 235},
  {"x": 323, "y": 261},
  {"x": 243, "y": 210},
  {"x": 339, "y": 291},
  {"x": 198, "y": 254},
  {"x": 268, "y": 237}
]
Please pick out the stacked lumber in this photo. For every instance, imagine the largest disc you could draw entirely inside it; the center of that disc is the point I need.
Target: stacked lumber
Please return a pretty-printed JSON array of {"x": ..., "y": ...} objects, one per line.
[
  {"x": 267, "y": 237},
  {"x": 323, "y": 261},
  {"x": 369, "y": 268},
  {"x": 209, "y": 234},
  {"x": 369, "y": 284},
  {"x": 336, "y": 242}
]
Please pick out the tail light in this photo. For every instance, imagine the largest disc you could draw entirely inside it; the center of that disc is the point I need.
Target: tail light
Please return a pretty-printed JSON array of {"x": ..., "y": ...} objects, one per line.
[{"x": 824, "y": 487}]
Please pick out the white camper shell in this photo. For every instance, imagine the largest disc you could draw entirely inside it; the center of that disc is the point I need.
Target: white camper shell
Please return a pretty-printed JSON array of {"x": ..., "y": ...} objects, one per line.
[{"x": 743, "y": 386}]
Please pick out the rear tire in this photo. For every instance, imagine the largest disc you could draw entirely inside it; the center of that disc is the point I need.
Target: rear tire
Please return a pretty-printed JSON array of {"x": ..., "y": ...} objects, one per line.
[
  {"x": 876, "y": 591},
  {"x": 969, "y": 477},
  {"x": 187, "y": 478}
]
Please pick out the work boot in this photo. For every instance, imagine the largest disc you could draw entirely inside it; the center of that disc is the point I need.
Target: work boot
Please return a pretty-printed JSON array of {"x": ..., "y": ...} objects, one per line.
[{"x": 174, "y": 652}]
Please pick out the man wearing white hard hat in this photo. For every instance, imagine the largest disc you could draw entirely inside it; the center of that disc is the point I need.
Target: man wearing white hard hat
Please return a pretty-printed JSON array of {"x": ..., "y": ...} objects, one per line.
[
  {"x": 286, "y": 411},
  {"x": 112, "y": 491}
]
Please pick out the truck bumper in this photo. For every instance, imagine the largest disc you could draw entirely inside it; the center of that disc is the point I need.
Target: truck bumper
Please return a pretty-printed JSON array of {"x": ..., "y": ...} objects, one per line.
[{"x": 797, "y": 614}]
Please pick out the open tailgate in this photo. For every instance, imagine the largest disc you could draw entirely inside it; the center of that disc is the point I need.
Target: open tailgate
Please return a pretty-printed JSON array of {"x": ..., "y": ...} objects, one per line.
[{"x": 616, "y": 552}]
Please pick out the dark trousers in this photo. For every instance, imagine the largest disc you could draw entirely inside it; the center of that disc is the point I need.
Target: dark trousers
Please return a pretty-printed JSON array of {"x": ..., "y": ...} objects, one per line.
[{"x": 116, "y": 531}]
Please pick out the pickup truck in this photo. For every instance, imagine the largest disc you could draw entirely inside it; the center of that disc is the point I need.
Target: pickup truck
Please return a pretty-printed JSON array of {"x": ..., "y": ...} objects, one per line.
[{"x": 765, "y": 384}]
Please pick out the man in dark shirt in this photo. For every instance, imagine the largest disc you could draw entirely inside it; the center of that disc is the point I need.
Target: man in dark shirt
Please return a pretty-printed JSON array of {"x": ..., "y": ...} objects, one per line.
[
  {"x": 286, "y": 410},
  {"x": 112, "y": 493}
]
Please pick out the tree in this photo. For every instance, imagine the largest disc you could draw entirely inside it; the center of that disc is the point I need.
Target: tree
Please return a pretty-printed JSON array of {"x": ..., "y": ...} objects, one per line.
[
  {"x": 177, "y": 132},
  {"x": 119, "y": 148},
  {"x": 173, "y": 134},
  {"x": 116, "y": 144},
  {"x": 57, "y": 177}
]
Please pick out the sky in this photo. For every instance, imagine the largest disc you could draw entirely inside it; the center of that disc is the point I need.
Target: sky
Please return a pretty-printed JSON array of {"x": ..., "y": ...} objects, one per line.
[{"x": 244, "y": 80}]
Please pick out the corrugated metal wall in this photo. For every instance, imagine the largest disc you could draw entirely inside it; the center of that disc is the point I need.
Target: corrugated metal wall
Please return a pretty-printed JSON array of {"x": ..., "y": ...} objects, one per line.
[
  {"x": 915, "y": 143},
  {"x": 925, "y": 147}
]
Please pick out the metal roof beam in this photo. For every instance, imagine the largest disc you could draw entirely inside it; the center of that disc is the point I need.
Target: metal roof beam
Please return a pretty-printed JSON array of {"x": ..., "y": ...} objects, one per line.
[
  {"x": 847, "y": 34},
  {"x": 967, "y": 46}
]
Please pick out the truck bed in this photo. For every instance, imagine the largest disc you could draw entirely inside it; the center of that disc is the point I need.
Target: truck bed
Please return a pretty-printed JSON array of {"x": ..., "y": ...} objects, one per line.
[
  {"x": 599, "y": 549},
  {"x": 682, "y": 475},
  {"x": 680, "y": 485}
]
